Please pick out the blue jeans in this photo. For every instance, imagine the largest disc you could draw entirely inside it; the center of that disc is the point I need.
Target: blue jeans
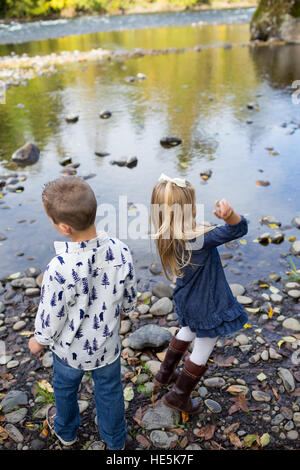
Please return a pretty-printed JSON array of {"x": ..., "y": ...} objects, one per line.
[{"x": 109, "y": 401}]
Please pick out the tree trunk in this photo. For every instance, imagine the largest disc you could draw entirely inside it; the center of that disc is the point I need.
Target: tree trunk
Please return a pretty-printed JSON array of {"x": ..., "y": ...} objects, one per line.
[{"x": 276, "y": 19}]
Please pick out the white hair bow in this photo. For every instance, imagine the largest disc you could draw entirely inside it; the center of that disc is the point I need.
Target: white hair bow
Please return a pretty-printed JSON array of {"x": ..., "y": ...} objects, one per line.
[{"x": 178, "y": 181}]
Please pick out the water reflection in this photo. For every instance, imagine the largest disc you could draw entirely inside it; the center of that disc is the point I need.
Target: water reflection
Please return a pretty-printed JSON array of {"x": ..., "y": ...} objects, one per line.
[{"x": 200, "y": 97}]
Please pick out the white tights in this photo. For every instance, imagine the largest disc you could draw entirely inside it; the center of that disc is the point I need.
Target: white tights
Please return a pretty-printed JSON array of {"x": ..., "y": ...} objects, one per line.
[{"x": 202, "y": 346}]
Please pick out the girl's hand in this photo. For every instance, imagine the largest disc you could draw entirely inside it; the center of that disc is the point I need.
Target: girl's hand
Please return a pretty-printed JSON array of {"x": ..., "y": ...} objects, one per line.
[
  {"x": 34, "y": 346},
  {"x": 224, "y": 211}
]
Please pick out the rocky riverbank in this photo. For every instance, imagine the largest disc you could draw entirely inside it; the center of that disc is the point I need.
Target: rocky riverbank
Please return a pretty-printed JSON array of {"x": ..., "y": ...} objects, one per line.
[
  {"x": 250, "y": 394},
  {"x": 18, "y": 70}
]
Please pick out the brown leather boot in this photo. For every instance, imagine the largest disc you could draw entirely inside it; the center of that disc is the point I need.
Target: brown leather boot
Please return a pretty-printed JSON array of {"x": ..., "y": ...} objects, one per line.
[
  {"x": 179, "y": 396},
  {"x": 175, "y": 352}
]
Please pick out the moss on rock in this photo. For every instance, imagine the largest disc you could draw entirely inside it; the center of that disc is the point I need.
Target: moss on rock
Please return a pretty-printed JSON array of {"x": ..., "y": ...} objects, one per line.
[{"x": 271, "y": 15}]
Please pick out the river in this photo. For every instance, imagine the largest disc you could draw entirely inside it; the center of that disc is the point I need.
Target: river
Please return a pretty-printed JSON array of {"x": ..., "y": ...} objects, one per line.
[{"x": 200, "y": 97}]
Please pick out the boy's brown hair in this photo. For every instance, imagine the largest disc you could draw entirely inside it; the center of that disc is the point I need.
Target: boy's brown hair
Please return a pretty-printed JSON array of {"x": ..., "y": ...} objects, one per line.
[{"x": 70, "y": 200}]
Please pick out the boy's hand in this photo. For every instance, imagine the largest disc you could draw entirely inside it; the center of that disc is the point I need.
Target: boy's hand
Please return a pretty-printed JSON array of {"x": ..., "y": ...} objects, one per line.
[
  {"x": 34, "y": 346},
  {"x": 224, "y": 211}
]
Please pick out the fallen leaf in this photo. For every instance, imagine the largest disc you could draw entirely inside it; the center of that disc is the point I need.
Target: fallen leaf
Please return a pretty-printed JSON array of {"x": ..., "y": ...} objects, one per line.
[
  {"x": 273, "y": 225},
  {"x": 128, "y": 393},
  {"x": 264, "y": 286},
  {"x": 161, "y": 355},
  {"x": 178, "y": 431},
  {"x": 292, "y": 239},
  {"x": 26, "y": 333},
  {"x": 280, "y": 343},
  {"x": 44, "y": 385},
  {"x": 249, "y": 439},
  {"x": 239, "y": 403},
  {"x": 265, "y": 439},
  {"x": 232, "y": 428},
  {"x": 45, "y": 432},
  {"x": 235, "y": 440},
  {"x": 270, "y": 311},
  {"x": 261, "y": 377},
  {"x": 247, "y": 325},
  {"x": 143, "y": 441},
  {"x": 252, "y": 310},
  {"x": 243, "y": 241},
  {"x": 3, "y": 435},
  {"x": 234, "y": 389},
  {"x": 222, "y": 362},
  {"x": 275, "y": 393},
  {"x": 184, "y": 442},
  {"x": 138, "y": 416},
  {"x": 184, "y": 416},
  {"x": 207, "y": 432}
]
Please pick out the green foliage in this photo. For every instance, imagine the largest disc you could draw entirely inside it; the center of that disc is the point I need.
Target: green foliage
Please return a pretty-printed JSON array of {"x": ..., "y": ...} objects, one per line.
[{"x": 43, "y": 8}]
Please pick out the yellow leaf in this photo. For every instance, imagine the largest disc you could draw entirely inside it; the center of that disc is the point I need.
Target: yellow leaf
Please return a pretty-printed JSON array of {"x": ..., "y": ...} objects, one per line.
[
  {"x": 273, "y": 225},
  {"x": 280, "y": 343},
  {"x": 185, "y": 417},
  {"x": 265, "y": 439},
  {"x": 45, "y": 432},
  {"x": 264, "y": 286},
  {"x": 292, "y": 239},
  {"x": 271, "y": 311},
  {"x": 134, "y": 379},
  {"x": 273, "y": 275},
  {"x": 234, "y": 389},
  {"x": 247, "y": 325},
  {"x": 261, "y": 377},
  {"x": 128, "y": 393},
  {"x": 26, "y": 333},
  {"x": 243, "y": 241}
]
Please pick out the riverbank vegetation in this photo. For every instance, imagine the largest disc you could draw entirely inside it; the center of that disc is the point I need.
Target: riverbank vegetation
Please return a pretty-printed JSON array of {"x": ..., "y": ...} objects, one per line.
[{"x": 69, "y": 8}]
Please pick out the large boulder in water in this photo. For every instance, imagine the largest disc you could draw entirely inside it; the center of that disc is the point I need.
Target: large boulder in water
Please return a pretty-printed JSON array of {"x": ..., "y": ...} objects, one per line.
[
  {"x": 276, "y": 19},
  {"x": 26, "y": 155}
]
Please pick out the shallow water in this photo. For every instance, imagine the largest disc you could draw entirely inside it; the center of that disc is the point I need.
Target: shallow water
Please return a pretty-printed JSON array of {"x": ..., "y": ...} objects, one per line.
[{"x": 200, "y": 97}]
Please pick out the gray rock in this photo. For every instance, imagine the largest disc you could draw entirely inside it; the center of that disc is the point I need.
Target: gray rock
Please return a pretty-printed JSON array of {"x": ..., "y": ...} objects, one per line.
[
  {"x": 265, "y": 355},
  {"x": 291, "y": 324},
  {"x": 295, "y": 248},
  {"x": 296, "y": 418},
  {"x": 296, "y": 221},
  {"x": 193, "y": 447},
  {"x": 237, "y": 290},
  {"x": 276, "y": 298},
  {"x": 254, "y": 359},
  {"x": 162, "y": 439},
  {"x": 162, "y": 290},
  {"x": 295, "y": 358},
  {"x": 37, "y": 444},
  {"x": 258, "y": 395},
  {"x": 242, "y": 339},
  {"x": 149, "y": 336},
  {"x": 14, "y": 433},
  {"x": 32, "y": 292},
  {"x": 242, "y": 299},
  {"x": 153, "y": 366},
  {"x": 42, "y": 412},
  {"x": 24, "y": 283},
  {"x": 287, "y": 379},
  {"x": 216, "y": 382},
  {"x": 291, "y": 285},
  {"x": 32, "y": 272},
  {"x": 274, "y": 354},
  {"x": 277, "y": 419},
  {"x": 4, "y": 360},
  {"x": 16, "y": 416},
  {"x": 292, "y": 435},
  {"x": 26, "y": 155},
  {"x": 162, "y": 307},
  {"x": 125, "y": 327},
  {"x": 143, "y": 309},
  {"x": 294, "y": 293},
  {"x": 97, "y": 445},
  {"x": 161, "y": 417},
  {"x": 48, "y": 359},
  {"x": 12, "y": 364},
  {"x": 83, "y": 405},
  {"x": 19, "y": 325},
  {"x": 213, "y": 406}
]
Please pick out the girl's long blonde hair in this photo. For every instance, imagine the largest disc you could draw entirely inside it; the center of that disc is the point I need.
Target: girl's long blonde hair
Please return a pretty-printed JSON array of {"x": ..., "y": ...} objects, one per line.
[{"x": 173, "y": 211}]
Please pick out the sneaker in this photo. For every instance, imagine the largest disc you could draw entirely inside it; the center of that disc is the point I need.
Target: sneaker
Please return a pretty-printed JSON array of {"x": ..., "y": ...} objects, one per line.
[{"x": 51, "y": 413}]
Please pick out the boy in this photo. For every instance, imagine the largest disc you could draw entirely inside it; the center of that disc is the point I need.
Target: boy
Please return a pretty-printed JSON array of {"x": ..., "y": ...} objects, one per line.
[{"x": 86, "y": 287}]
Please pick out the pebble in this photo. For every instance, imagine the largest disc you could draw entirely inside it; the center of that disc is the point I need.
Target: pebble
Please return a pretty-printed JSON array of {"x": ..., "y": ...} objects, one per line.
[
  {"x": 19, "y": 325},
  {"x": 244, "y": 300},
  {"x": 125, "y": 327},
  {"x": 213, "y": 405},
  {"x": 287, "y": 379},
  {"x": 32, "y": 292},
  {"x": 276, "y": 298},
  {"x": 153, "y": 366},
  {"x": 48, "y": 359},
  {"x": 162, "y": 290},
  {"x": 296, "y": 418},
  {"x": 295, "y": 248},
  {"x": 37, "y": 444},
  {"x": 242, "y": 339},
  {"x": 274, "y": 354},
  {"x": 12, "y": 364},
  {"x": 258, "y": 395},
  {"x": 83, "y": 405},
  {"x": 143, "y": 309},
  {"x": 265, "y": 355},
  {"x": 255, "y": 358},
  {"x": 291, "y": 324},
  {"x": 216, "y": 382},
  {"x": 162, "y": 439},
  {"x": 5, "y": 359},
  {"x": 292, "y": 435},
  {"x": 16, "y": 416},
  {"x": 14, "y": 433},
  {"x": 237, "y": 289},
  {"x": 294, "y": 293},
  {"x": 161, "y": 416},
  {"x": 150, "y": 335},
  {"x": 13, "y": 399},
  {"x": 162, "y": 307},
  {"x": 24, "y": 283}
]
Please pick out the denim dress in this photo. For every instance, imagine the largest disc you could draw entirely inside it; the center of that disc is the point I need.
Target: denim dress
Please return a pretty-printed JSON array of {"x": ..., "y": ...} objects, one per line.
[{"x": 203, "y": 298}]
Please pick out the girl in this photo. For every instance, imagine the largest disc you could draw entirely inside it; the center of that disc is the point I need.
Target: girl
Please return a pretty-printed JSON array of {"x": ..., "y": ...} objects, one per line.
[{"x": 204, "y": 302}]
